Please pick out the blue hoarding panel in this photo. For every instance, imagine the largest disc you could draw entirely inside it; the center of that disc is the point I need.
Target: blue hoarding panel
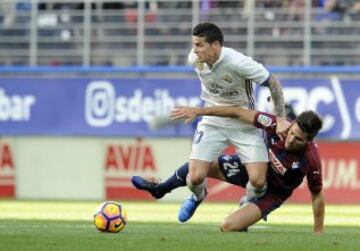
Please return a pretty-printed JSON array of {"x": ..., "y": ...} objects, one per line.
[
  {"x": 125, "y": 107},
  {"x": 337, "y": 101},
  {"x": 120, "y": 107}
]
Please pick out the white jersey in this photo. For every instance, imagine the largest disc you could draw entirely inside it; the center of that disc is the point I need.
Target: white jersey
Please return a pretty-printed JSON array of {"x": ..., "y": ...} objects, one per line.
[{"x": 228, "y": 83}]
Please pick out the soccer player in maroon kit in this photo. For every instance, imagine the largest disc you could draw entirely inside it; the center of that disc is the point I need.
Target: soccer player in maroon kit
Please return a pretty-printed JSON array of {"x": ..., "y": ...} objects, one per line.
[{"x": 293, "y": 156}]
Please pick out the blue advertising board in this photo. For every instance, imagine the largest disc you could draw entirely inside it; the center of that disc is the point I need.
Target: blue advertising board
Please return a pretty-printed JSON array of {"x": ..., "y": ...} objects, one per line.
[
  {"x": 337, "y": 101},
  {"x": 127, "y": 107}
]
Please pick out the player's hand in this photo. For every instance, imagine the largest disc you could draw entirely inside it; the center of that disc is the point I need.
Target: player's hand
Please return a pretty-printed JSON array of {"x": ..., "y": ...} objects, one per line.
[
  {"x": 282, "y": 127},
  {"x": 184, "y": 112}
]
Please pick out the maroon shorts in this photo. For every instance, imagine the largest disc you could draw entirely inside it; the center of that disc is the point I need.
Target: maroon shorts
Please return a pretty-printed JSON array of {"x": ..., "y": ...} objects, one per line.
[
  {"x": 269, "y": 202},
  {"x": 235, "y": 173}
]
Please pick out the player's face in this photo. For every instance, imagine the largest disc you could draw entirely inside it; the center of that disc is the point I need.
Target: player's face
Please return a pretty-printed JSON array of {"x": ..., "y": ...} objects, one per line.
[
  {"x": 296, "y": 139},
  {"x": 205, "y": 52}
]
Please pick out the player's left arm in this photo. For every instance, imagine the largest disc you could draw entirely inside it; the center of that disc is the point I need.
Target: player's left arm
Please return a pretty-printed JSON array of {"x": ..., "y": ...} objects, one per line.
[
  {"x": 318, "y": 205},
  {"x": 277, "y": 96}
]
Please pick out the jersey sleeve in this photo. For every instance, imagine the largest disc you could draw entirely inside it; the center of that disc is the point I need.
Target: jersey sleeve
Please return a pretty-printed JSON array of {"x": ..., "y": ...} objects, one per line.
[
  {"x": 265, "y": 121},
  {"x": 252, "y": 70},
  {"x": 314, "y": 176}
]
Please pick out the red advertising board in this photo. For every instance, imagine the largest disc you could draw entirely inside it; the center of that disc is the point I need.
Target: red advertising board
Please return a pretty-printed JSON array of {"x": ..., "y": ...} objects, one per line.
[
  {"x": 340, "y": 170},
  {"x": 7, "y": 171},
  {"x": 341, "y": 173},
  {"x": 124, "y": 160}
]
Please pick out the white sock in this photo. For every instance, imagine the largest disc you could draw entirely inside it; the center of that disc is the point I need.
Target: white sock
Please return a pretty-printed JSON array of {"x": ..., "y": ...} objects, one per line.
[
  {"x": 198, "y": 190},
  {"x": 253, "y": 192}
]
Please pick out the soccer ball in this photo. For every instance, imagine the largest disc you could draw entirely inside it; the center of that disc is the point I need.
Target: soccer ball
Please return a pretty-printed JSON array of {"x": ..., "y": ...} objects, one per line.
[{"x": 110, "y": 217}]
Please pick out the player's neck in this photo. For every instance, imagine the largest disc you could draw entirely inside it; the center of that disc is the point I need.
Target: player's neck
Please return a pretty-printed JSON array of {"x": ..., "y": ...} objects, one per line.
[{"x": 213, "y": 60}]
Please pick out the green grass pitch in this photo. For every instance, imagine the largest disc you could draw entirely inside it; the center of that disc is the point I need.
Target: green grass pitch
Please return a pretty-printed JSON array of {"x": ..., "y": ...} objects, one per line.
[{"x": 44, "y": 225}]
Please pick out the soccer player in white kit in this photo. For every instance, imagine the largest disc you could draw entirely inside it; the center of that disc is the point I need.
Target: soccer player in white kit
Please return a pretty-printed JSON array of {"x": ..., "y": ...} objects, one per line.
[{"x": 226, "y": 79}]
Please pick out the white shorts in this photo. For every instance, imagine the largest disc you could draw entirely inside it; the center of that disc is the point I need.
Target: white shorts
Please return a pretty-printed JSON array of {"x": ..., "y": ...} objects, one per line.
[{"x": 209, "y": 142}]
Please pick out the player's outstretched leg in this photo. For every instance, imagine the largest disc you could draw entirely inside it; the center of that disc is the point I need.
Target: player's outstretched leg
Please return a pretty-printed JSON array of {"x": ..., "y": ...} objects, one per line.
[
  {"x": 189, "y": 207},
  {"x": 158, "y": 190},
  {"x": 147, "y": 185},
  {"x": 242, "y": 218}
]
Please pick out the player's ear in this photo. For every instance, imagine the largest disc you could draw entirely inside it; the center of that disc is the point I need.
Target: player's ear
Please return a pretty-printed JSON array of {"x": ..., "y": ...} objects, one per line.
[{"x": 215, "y": 44}]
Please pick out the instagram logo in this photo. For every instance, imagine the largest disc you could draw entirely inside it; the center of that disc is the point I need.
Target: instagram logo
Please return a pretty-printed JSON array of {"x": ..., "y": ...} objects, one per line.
[{"x": 99, "y": 103}]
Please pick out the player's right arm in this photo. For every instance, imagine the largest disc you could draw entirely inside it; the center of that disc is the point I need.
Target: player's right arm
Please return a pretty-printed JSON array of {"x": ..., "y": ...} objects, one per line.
[
  {"x": 318, "y": 205},
  {"x": 189, "y": 113},
  {"x": 258, "y": 119},
  {"x": 314, "y": 181}
]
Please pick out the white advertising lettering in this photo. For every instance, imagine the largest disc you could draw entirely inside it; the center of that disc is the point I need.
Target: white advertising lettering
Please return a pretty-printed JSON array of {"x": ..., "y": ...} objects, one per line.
[
  {"x": 302, "y": 99},
  {"x": 276, "y": 164},
  {"x": 15, "y": 107},
  {"x": 341, "y": 174},
  {"x": 103, "y": 107},
  {"x": 357, "y": 109}
]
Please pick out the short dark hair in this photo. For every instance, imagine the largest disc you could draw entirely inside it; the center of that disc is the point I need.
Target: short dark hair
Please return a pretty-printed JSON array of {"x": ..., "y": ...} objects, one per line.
[
  {"x": 310, "y": 123},
  {"x": 210, "y": 31}
]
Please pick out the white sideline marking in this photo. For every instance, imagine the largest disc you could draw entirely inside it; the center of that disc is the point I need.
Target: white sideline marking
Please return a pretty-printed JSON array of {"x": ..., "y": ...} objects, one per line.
[{"x": 260, "y": 227}]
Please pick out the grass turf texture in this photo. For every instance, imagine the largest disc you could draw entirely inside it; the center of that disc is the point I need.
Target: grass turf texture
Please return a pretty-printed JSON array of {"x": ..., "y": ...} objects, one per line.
[{"x": 32, "y": 225}]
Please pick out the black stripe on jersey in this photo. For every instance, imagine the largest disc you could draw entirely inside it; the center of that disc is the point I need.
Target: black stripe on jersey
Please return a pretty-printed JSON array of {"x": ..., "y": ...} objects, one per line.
[
  {"x": 252, "y": 94},
  {"x": 249, "y": 93}
]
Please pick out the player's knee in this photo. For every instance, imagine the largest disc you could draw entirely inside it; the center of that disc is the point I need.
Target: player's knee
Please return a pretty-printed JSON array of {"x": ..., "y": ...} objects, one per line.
[
  {"x": 258, "y": 183},
  {"x": 231, "y": 227},
  {"x": 226, "y": 226},
  {"x": 195, "y": 178},
  {"x": 197, "y": 175}
]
